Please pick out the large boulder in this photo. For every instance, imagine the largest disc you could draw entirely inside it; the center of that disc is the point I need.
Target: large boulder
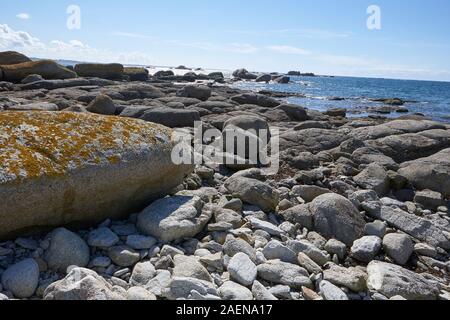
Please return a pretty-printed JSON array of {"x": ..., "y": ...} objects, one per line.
[
  {"x": 136, "y": 73},
  {"x": 256, "y": 99},
  {"x": 112, "y": 71},
  {"x": 48, "y": 69},
  {"x": 12, "y": 57},
  {"x": 195, "y": 91},
  {"x": 374, "y": 177},
  {"x": 102, "y": 104},
  {"x": 174, "y": 218},
  {"x": 172, "y": 118},
  {"x": 58, "y": 168},
  {"x": 336, "y": 217},
  {"x": 392, "y": 280},
  {"x": 429, "y": 173},
  {"x": 254, "y": 192},
  {"x": 294, "y": 112}
]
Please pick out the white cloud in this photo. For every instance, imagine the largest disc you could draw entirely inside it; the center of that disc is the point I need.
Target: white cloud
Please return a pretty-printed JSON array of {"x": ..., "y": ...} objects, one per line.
[
  {"x": 57, "y": 49},
  {"x": 23, "y": 16},
  {"x": 289, "y": 50}
]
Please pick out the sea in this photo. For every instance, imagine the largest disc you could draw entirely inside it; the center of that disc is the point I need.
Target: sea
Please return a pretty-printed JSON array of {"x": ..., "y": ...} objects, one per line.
[{"x": 430, "y": 98}]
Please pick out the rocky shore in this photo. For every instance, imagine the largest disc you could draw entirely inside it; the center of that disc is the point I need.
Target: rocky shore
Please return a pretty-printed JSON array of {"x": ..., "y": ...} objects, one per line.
[{"x": 93, "y": 208}]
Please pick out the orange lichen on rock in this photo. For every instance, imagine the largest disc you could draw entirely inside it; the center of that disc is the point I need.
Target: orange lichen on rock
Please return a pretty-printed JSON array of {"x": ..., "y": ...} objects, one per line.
[{"x": 33, "y": 144}]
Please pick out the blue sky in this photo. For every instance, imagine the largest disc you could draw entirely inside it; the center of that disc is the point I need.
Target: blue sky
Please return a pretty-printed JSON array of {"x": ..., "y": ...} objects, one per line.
[{"x": 321, "y": 36}]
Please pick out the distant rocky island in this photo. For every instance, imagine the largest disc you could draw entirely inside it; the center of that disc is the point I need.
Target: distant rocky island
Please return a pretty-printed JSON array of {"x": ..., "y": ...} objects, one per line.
[{"x": 94, "y": 208}]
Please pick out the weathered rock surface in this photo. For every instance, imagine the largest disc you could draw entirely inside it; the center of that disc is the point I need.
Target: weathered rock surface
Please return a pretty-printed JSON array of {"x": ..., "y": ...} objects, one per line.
[
  {"x": 82, "y": 284},
  {"x": 391, "y": 280},
  {"x": 418, "y": 227},
  {"x": 57, "y": 153}
]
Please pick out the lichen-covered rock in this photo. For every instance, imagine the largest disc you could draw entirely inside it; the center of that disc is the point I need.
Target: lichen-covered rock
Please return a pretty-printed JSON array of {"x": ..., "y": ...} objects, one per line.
[
  {"x": 112, "y": 71},
  {"x": 48, "y": 69},
  {"x": 58, "y": 168}
]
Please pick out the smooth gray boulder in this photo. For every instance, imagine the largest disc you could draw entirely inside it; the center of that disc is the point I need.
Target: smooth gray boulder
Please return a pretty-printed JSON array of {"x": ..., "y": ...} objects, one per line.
[
  {"x": 336, "y": 217},
  {"x": 374, "y": 177},
  {"x": 242, "y": 269},
  {"x": 399, "y": 247},
  {"x": 102, "y": 104},
  {"x": 174, "y": 218},
  {"x": 21, "y": 279},
  {"x": 66, "y": 249},
  {"x": 253, "y": 192},
  {"x": 366, "y": 248},
  {"x": 429, "y": 173}
]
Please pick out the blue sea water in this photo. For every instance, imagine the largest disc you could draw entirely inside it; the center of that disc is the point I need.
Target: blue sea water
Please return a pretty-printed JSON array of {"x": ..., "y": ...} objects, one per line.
[{"x": 430, "y": 98}]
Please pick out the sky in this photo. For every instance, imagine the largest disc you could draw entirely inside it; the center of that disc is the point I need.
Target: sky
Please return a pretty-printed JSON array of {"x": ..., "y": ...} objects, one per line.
[{"x": 328, "y": 37}]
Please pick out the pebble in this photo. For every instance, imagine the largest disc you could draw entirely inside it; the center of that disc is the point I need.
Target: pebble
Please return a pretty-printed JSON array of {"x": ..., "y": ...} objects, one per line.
[
  {"x": 139, "y": 242},
  {"x": 330, "y": 292},
  {"x": 101, "y": 262},
  {"x": 123, "y": 256},
  {"x": 102, "y": 238}
]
